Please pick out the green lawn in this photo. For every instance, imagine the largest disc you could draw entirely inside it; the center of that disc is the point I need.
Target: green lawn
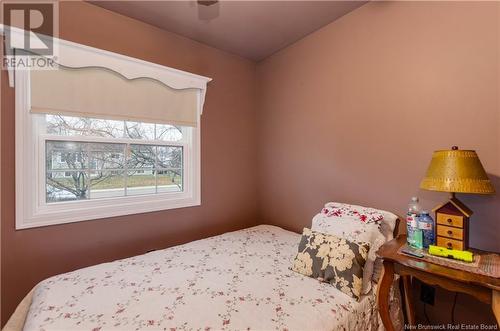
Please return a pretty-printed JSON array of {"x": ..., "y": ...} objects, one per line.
[{"x": 132, "y": 181}]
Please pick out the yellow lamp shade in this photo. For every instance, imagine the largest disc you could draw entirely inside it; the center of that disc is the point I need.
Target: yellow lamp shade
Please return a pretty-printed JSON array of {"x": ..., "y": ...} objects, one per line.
[{"x": 457, "y": 171}]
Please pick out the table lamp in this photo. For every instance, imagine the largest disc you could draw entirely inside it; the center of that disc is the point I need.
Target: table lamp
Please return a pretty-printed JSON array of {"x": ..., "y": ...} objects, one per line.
[{"x": 455, "y": 171}]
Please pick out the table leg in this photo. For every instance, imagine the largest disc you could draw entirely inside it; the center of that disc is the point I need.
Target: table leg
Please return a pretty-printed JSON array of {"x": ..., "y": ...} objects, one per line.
[
  {"x": 495, "y": 304},
  {"x": 407, "y": 289},
  {"x": 384, "y": 288}
]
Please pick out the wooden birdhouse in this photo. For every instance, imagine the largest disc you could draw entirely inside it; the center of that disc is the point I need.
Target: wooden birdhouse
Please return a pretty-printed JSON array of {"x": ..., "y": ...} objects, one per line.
[{"x": 452, "y": 225}]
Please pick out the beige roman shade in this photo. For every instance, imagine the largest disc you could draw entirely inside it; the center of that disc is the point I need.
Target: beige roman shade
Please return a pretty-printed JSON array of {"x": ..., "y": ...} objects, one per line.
[{"x": 102, "y": 93}]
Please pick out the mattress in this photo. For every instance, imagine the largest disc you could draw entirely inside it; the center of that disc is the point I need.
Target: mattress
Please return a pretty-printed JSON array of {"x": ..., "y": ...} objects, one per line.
[{"x": 236, "y": 281}]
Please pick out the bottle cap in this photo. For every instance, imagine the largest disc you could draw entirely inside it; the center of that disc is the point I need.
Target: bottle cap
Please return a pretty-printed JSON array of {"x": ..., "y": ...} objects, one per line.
[
  {"x": 414, "y": 199},
  {"x": 424, "y": 212}
]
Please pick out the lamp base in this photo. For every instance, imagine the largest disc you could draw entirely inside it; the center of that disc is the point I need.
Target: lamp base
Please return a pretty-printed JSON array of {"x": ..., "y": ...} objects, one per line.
[{"x": 452, "y": 224}]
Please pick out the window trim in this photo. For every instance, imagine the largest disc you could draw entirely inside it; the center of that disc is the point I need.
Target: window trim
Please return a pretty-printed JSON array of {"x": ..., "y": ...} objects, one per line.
[{"x": 31, "y": 213}]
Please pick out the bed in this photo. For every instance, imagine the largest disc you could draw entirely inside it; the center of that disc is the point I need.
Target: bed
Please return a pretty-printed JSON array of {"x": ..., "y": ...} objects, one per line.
[{"x": 236, "y": 281}]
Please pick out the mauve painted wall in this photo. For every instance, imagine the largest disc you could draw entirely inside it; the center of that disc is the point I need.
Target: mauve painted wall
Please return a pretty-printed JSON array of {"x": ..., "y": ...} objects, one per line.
[
  {"x": 353, "y": 112},
  {"x": 228, "y": 160}
]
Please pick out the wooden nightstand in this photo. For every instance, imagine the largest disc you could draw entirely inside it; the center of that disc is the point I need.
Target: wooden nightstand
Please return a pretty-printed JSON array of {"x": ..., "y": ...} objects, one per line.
[{"x": 484, "y": 288}]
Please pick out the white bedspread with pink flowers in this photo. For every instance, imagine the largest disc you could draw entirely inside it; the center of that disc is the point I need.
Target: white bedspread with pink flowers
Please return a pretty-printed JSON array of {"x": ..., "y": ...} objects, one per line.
[{"x": 236, "y": 281}]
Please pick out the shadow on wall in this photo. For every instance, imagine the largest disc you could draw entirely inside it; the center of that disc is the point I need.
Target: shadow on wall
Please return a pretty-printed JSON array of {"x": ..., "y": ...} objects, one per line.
[
  {"x": 484, "y": 223},
  {"x": 467, "y": 310}
]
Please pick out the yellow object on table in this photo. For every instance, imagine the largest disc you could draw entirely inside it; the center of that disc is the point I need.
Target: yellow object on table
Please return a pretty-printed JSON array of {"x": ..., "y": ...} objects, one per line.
[{"x": 451, "y": 253}]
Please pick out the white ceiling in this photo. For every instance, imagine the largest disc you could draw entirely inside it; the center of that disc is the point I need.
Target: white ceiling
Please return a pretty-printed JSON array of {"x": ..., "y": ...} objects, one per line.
[{"x": 252, "y": 29}]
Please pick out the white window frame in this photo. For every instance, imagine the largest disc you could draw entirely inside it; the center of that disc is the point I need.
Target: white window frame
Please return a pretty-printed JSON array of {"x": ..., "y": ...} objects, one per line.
[{"x": 32, "y": 210}]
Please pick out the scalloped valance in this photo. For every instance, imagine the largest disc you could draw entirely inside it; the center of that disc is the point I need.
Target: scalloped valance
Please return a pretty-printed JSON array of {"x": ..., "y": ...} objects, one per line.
[
  {"x": 91, "y": 82},
  {"x": 102, "y": 93}
]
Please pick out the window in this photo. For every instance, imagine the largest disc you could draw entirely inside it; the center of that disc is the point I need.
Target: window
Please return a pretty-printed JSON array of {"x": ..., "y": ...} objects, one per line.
[
  {"x": 104, "y": 135},
  {"x": 88, "y": 166},
  {"x": 119, "y": 158}
]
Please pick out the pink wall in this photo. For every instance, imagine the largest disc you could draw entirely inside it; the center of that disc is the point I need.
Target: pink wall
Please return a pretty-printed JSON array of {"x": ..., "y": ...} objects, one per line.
[
  {"x": 353, "y": 112},
  {"x": 228, "y": 160}
]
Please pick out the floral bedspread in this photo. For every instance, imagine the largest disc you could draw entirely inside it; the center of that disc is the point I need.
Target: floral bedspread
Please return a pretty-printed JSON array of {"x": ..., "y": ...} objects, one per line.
[{"x": 236, "y": 281}]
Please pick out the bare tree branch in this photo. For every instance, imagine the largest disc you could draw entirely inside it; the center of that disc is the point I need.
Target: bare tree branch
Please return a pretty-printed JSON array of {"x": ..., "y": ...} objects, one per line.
[{"x": 107, "y": 155}]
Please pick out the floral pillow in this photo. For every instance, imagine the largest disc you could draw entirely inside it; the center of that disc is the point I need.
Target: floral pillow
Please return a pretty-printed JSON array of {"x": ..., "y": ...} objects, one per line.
[
  {"x": 358, "y": 224},
  {"x": 332, "y": 259},
  {"x": 364, "y": 214},
  {"x": 385, "y": 220}
]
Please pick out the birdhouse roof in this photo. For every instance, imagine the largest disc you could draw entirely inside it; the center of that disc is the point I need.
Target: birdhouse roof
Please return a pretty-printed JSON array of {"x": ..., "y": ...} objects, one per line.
[{"x": 457, "y": 204}]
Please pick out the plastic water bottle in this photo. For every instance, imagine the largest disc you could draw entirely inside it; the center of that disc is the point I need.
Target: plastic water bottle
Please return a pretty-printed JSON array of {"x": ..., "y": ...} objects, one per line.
[
  {"x": 412, "y": 221},
  {"x": 418, "y": 237},
  {"x": 426, "y": 225}
]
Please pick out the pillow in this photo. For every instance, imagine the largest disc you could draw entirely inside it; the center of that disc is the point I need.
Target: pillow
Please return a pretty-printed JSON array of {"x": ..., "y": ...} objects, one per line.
[
  {"x": 357, "y": 223},
  {"x": 386, "y": 226},
  {"x": 344, "y": 210},
  {"x": 332, "y": 259},
  {"x": 386, "y": 220}
]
